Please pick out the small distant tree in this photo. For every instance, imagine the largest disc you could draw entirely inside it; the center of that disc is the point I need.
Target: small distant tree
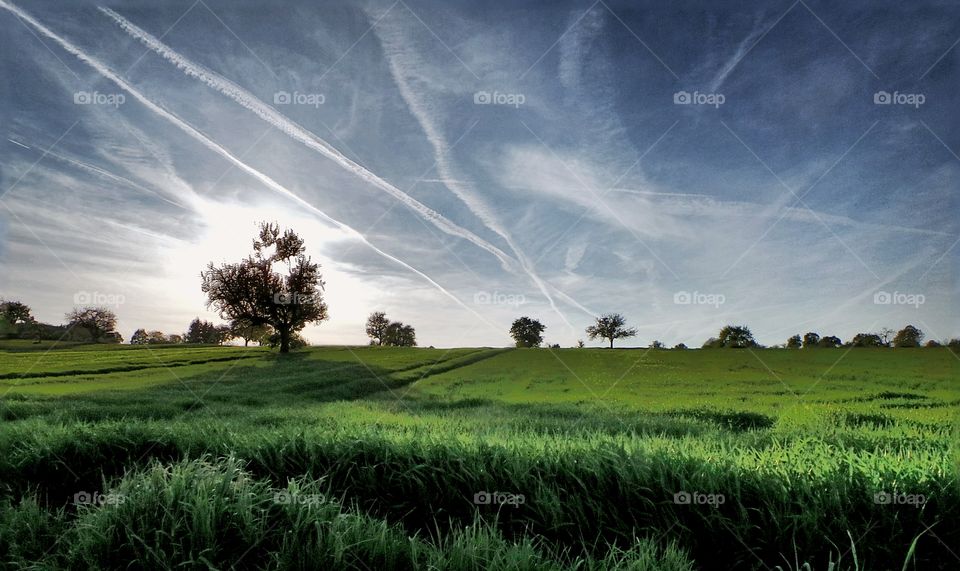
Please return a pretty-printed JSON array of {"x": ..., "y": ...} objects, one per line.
[
  {"x": 15, "y": 312},
  {"x": 909, "y": 336},
  {"x": 527, "y": 332},
  {"x": 712, "y": 343},
  {"x": 400, "y": 335},
  {"x": 679, "y": 346},
  {"x": 657, "y": 345},
  {"x": 867, "y": 340},
  {"x": 139, "y": 337},
  {"x": 377, "y": 325},
  {"x": 241, "y": 329},
  {"x": 200, "y": 331},
  {"x": 932, "y": 344},
  {"x": 99, "y": 322},
  {"x": 272, "y": 340},
  {"x": 810, "y": 340},
  {"x": 253, "y": 292},
  {"x": 886, "y": 336},
  {"x": 223, "y": 334},
  {"x": 829, "y": 342},
  {"x": 580, "y": 344},
  {"x": 175, "y": 339},
  {"x": 610, "y": 326},
  {"x": 794, "y": 342},
  {"x": 736, "y": 337}
]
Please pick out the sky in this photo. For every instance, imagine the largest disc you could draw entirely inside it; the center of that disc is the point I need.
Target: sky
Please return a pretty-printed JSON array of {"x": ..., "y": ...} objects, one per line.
[{"x": 790, "y": 165}]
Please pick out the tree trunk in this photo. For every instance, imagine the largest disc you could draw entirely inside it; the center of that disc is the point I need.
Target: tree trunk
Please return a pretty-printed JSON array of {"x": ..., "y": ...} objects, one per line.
[
  {"x": 246, "y": 342},
  {"x": 284, "y": 340},
  {"x": 611, "y": 342}
]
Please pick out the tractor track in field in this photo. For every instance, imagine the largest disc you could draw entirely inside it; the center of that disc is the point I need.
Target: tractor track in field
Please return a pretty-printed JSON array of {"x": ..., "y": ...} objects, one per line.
[{"x": 119, "y": 369}]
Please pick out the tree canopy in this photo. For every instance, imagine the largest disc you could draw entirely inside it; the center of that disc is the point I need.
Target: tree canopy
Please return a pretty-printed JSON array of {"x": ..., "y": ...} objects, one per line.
[
  {"x": 527, "y": 332},
  {"x": 254, "y": 292},
  {"x": 610, "y": 326}
]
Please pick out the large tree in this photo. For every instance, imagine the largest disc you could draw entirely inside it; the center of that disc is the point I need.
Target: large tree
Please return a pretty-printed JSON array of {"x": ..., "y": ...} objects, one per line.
[
  {"x": 377, "y": 325},
  {"x": 794, "y": 342},
  {"x": 527, "y": 332},
  {"x": 99, "y": 322},
  {"x": 610, "y": 326},
  {"x": 252, "y": 291},
  {"x": 909, "y": 336}
]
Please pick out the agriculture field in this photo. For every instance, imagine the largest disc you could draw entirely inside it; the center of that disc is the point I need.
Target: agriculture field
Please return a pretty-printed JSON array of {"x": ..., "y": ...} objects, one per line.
[{"x": 346, "y": 457}]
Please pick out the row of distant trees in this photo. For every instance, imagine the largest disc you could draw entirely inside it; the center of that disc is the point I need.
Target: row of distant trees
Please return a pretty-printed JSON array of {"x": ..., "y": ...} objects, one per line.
[
  {"x": 84, "y": 324},
  {"x": 528, "y": 332},
  {"x": 270, "y": 308}
]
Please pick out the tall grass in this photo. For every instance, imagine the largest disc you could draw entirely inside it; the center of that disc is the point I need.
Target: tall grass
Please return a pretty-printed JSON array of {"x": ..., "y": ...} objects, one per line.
[{"x": 399, "y": 464}]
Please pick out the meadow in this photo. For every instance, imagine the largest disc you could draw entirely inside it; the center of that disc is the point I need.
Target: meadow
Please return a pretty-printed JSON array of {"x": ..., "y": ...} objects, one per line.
[{"x": 477, "y": 458}]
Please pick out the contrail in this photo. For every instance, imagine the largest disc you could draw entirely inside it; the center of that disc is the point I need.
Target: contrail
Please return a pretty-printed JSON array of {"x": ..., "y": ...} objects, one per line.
[
  {"x": 114, "y": 177},
  {"x": 203, "y": 139},
  {"x": 440, "y": 148},
  {"x": 299, "y": 133},
  {"x": 20, "y": 144}
]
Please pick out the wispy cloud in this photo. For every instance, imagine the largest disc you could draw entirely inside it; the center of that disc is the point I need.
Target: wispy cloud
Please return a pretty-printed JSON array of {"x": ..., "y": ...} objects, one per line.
[
  {"x": 292, "y": 129},
  {"x": 218, "y": 149}
]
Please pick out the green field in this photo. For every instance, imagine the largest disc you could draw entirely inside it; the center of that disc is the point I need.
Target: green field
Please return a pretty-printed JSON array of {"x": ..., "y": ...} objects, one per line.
[{"x": 372, "y": 458}]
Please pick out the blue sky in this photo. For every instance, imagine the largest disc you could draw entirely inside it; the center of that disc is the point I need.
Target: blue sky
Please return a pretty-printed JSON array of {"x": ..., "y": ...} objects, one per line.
[{"x": 789, "y": 165}]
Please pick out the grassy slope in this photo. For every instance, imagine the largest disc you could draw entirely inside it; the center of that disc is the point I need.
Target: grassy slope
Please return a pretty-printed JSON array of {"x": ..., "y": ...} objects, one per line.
[{"x": 604, "y": 437}]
